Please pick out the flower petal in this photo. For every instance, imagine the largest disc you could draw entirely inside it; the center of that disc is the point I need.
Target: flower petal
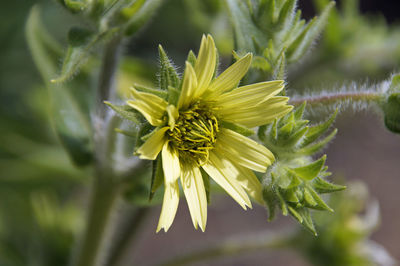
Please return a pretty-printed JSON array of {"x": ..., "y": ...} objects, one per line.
[
  {"x": 195, "y": 193},
  {"x": 169, "y": 206},
  {"x": 170, "y": 163},
  {"x": 189, "y": 87},
  {"x": 229, "y": 78},
  {"x": 250, "y": 183},
  {"x": 151, "y": 106},
  {"x": 224, "y": 173},
  {"x": 261, "y": 114},
  {"x": 152, "y": 147},
  {"x": 205, "y": 64},
  {"x": 251, "y": 95},
  {"x": 243, "y": 151}
]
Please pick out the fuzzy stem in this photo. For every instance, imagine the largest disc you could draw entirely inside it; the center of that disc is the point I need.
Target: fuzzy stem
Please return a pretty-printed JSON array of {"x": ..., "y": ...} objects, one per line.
[
  {"x": 103, "y": 197},
  {"x": 235, "y": 246},
  {"x": 334, "y": 97}
]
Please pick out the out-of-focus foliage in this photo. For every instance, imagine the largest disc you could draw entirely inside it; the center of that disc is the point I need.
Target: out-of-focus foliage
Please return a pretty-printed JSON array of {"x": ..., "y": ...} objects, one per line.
[
  {"x": 344, "y": 235},
  {"x": 353, "y": 46}
]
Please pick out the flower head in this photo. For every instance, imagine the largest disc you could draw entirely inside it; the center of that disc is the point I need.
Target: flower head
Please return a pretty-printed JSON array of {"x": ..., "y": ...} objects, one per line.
[{"x": 195, "y": 132}]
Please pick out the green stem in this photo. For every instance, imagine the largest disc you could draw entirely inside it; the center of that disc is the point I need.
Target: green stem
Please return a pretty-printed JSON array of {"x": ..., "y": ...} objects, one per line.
[
  {"x": 235, "y": 246},
  {"x": 103, "y": 197},
  {"x": 331, "y": 98}
]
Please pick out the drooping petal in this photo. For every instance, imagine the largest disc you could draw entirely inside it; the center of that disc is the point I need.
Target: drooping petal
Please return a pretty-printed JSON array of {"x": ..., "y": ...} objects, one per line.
[
  {"x": 169, "y": 206},
  {"x": 243, "y": 151},
  {"x": 189, "y": 87},
  {"x": 152, "y": 147},
  {"x": 205, "y": 64},
  {"x": 261, "y": 114},
  {"x": 224, "y": 173},
  {"x": 229, "y": 78},
  {"x": 195, "y": 193},
  {"x": 170, "y": 162},
  {"x": 151, "y": 106},
  {"x": 250, "y": 95},
  {"x": 250, "y": 183},
  {"x": 172, "y": 115}
]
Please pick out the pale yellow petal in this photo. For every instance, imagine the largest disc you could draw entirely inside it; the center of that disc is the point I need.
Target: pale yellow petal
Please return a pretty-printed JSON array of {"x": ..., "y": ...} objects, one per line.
[
  {"x": 172, "y": 115},
  {"x": 243, "y": 151},
  {"x": 189, "y": 87},
  {"x": 261, "y": 114},
  {"x": 152, "y": 147},
  {"x": 169, "y": 206},
  {"x": 195, "y": 193},
  {"x": 250, "y": 95},
  {"x": 205, "y": 64},
  {"x": 225, "y": 174},
  {"x": 229, "y": 78},
  {"x": 250, "y": 183},
  {"x": 151, "y": 106},
  {"x": 170, "y": 163}
]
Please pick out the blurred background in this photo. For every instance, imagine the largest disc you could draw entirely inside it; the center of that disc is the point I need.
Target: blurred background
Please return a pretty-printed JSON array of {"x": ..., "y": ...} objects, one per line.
[{"x": 41, "y": 191}]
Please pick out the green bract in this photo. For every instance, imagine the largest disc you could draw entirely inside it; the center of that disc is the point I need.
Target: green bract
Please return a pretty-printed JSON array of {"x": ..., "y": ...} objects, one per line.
[{"x": 294, "y": 182}]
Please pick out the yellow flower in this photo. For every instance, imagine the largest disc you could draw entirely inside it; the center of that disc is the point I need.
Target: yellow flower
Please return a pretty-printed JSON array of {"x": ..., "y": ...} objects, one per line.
[{"x": 190, "y": 135}]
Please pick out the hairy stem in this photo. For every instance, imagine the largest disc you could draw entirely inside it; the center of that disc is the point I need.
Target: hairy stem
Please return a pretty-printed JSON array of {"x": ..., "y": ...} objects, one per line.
[
  {"x": 107, "y": 73},
  {"x": 331, "y": 98},
  {"x": 103, "y": 197},
  {"x": 235, "y": 246}
]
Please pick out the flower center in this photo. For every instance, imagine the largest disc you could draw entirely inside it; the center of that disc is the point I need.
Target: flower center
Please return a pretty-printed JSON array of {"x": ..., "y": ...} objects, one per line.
[{"x": 194, "y": 133}]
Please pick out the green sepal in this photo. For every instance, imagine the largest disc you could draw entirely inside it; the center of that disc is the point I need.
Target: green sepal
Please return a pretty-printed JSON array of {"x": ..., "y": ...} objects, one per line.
[
  {"x": 304, "y": 217},
  {"x": 308, "y": 35},
  {"x": 280, "y": 67},
  {"x": 282, "y": 203},
  {"x": 295, "y": 138},
  {"x": 126, "y": 133},
  {"x": 168, "y": 75},
  {"x": 191, "y": 58},
  {"x": 308, "y": 198},
  {"x": 321, "y": 205},
  {"x": 173, "y": 95},
  {"x": 317, "y": 131},
  {"x": 322, "y": 186},
  {"x": 237, "y": 128},
  {"x": 206, "y": 181},
  {"x": 318, "y": 146},
  {"x": 127, "y": 112},
  {"x": 310, "y": 171},
  {"x": 78, "y": 36},
  {"x": 128, "y": 12},
  {"x": 270, "y": 200},
  {"x": 159, "y": 93},
  {"x": 157, "y": 176}
]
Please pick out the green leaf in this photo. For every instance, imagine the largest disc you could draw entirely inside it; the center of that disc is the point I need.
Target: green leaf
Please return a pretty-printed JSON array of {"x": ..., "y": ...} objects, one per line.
[
  {"x": 168, "y": 75},
  {"x": 157, "y": 176},
  {"x": 237, "y": 128},
  {"x": 317, "y": 131},
  {"x": 71, "y": 124},
  {"x": 309, "y": 172},
  {"x": 323, "y": 186},
  {"x": 126, "y": 112}
]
